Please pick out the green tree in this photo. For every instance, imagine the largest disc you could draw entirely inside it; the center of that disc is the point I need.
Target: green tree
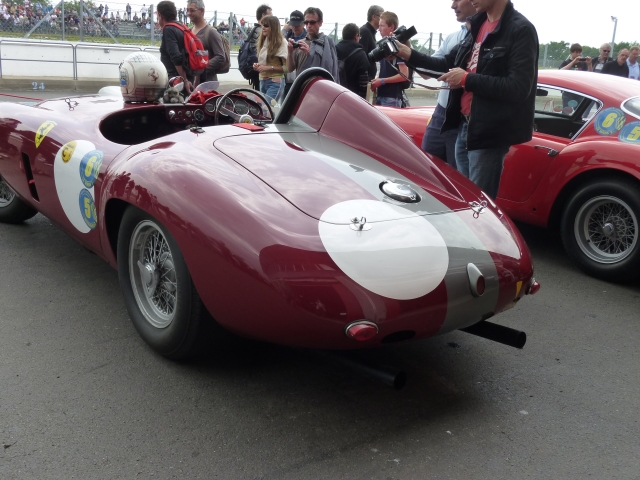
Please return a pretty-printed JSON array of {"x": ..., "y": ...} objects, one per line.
[{"x": 556, "y": 53}]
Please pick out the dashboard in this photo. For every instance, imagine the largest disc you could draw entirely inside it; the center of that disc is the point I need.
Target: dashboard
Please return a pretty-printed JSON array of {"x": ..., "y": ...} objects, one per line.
[{"x": 234, "y": 106}]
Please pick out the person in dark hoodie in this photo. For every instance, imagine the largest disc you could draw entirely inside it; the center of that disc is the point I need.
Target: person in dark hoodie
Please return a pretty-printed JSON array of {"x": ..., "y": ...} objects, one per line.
[{"x": 356, "y": 62}]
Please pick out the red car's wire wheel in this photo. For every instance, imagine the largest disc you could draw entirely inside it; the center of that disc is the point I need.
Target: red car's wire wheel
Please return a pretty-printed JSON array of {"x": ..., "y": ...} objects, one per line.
[
  {"x": 6, "y": 194},
  {"x": 606, "y": 229},
  {"x": 153, "y": 275}
]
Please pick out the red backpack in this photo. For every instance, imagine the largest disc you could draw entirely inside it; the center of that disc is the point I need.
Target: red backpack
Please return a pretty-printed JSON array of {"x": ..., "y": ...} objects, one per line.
[{"x": 198, "y": 55}]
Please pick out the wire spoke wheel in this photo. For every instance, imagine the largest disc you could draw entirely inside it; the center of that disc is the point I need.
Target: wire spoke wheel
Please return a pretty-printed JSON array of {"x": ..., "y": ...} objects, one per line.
[
  {"x": 6, "y": 194},
  {"x": 606, "y": 229},
  {"x": 153, "y": 274}
]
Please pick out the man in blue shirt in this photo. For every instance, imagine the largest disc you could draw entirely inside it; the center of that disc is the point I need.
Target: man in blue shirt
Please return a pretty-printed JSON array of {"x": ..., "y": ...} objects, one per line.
[
  {"x": 632, "y": 63},
  {"x": 443, "y": 145}
]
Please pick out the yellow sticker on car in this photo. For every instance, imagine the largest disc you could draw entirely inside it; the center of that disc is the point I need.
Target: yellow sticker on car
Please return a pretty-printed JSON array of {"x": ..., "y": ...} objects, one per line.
[{"x": 43, "y": 131}]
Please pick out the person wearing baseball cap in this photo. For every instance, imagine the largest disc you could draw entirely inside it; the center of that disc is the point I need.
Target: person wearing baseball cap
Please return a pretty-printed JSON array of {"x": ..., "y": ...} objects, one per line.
[{"x": 293, "y": 29}]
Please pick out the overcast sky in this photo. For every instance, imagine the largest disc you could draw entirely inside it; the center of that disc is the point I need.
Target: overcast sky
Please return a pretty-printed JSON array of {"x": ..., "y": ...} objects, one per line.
[{"x": 587, "y": 22}]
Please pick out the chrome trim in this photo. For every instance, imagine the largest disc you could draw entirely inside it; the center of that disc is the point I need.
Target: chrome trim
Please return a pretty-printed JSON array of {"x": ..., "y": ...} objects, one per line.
[
  {"x": 474, "y": 274},
  {"x": 600, "y": 103},
  {"x": 552, "y": 151},
  {"x": 399, "y": 191},
  {"x": 360, "y": 322},
  {"x": 627, "y": 111}
]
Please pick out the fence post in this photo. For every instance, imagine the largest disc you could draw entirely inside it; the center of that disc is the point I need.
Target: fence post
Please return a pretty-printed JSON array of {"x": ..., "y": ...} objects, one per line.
[
  {"x": 153, "y": 25},
  {"x": 81, "y": 23},
  {"x": 546, "y": 52},
  {"x": 230, "y": 31},
  {"x": 63, "y": 20},
  {"x": 335, "y": 35},
  {"x": 430, "y": 43}
]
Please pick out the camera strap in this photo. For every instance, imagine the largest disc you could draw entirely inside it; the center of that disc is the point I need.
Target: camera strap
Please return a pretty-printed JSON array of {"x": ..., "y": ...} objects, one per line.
[{"x": 420, "y": 70}]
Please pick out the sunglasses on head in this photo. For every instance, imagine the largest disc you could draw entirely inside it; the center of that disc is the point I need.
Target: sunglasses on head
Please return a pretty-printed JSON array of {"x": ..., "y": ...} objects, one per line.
[{"x": 310, "y": 22}]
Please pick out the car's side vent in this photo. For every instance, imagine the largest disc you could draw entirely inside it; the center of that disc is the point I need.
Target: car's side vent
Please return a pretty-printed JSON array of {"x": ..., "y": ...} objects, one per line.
[{"x": 27, "y": 170}]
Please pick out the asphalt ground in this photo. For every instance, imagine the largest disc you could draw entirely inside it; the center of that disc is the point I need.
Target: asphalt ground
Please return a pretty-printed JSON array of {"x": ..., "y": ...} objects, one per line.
[{"x": 82, "y": 396}]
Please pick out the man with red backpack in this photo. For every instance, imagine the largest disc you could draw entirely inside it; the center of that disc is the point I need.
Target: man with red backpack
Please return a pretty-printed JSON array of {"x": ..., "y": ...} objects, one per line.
[{"x": 174, "y": 54}]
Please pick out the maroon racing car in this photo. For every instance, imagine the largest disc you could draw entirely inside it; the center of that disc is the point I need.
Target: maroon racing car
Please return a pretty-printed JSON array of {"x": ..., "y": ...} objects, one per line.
[{"x": 315, "y": 228}]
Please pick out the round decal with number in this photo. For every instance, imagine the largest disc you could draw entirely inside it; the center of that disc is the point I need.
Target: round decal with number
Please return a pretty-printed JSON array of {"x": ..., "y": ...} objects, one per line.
[
  {"x": 630, "y": 133},
  {"x": 610, "y": 121},
  {"x": 75, "y": 169},
  {"x": 90, "y": 167},
  {"x": 88, "y": 209}
]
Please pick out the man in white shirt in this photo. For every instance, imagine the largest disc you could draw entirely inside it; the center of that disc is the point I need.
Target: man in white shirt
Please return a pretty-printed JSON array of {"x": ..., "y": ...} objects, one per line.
[
  {"x": 443, "y": 145},
  {"x": 632, "y": 63}
]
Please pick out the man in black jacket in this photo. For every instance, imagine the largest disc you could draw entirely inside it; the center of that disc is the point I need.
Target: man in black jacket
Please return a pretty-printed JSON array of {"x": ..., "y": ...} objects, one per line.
[
  {"x": 493, "y": 74},
  {"x": 619, "y": 67},
  {"x": 368, "y": 35},
  {"x": 172, "y": 51},
  {"x": 356, "y": 62}
]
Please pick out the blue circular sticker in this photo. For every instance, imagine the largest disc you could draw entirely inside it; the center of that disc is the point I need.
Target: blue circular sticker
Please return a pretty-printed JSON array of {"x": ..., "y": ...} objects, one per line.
[
  {"x": 610, "y": 121},
  {"x": 90, "y": 167},
  {"x": 88, "y": 209},
  {"x": 630, "y": 133}
]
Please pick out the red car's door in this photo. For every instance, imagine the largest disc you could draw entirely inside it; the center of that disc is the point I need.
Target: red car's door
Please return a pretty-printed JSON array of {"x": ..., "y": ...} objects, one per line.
[{"x": 526, "y": 164}]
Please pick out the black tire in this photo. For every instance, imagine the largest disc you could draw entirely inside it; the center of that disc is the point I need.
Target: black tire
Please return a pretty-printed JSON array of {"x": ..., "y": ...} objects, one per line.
[
  {"x": 12, "y": 209},
  {"x": 169, "y": 321},
  {"x": 601, "y": 230}
]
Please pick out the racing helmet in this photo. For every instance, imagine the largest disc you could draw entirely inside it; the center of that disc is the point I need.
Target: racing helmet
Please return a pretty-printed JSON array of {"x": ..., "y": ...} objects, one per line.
[{"x": 143, "y": 78}]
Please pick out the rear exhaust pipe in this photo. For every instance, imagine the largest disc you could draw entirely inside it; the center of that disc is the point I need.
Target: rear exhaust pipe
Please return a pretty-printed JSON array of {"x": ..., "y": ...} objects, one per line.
[
  {"x": 498, "y": 333},
  {"x": 387, "y": 375}
]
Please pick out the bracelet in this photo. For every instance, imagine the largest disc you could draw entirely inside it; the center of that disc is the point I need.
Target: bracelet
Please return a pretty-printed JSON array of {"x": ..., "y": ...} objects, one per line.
[{"x": 383, "y": 82}]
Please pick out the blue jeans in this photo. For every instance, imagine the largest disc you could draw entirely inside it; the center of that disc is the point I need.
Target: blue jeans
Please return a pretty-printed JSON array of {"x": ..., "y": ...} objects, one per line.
[
  {"x": 389, "y": 102},
  {"x": 272, "y": 89},
  {"x": 442, "y": 145},
  {"x": 483, "y": 167}
]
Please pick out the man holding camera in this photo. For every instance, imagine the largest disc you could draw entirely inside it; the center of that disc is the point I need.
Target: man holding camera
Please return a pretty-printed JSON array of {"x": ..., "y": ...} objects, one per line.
[
  {"x": 316, "y": 50},
  {"x": 388, "y": 86},
  {"x": 294, "y": 30},
  {"x": 443, "y": 145},
  {"x": 576, "y": 61},
  {"x": 492, "y": 75}
]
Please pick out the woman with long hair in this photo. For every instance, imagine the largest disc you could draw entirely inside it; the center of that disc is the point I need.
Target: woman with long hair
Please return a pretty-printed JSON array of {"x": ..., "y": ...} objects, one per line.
[{"x": 272, "y": 58}]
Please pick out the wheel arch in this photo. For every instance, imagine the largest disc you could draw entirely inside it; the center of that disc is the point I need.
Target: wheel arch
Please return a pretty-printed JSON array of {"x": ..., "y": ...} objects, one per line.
[
  {"x": 113, "y": 213},
  {"x": 577, "y": 182}
]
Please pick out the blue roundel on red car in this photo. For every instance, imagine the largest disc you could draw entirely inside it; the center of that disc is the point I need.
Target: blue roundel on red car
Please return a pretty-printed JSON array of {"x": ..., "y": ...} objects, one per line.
[
  {"x": 610, "y": 121},
  {"x": 630, "y": 133}
]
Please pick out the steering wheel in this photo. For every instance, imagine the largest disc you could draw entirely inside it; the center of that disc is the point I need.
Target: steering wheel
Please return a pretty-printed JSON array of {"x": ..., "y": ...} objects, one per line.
[{"x": 240, "y": 118}]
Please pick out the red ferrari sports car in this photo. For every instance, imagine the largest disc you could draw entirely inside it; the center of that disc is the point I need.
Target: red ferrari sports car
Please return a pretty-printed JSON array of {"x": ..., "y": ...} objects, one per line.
[
  {"x": 580, "y": 172},
  {"x": 309, "y": 228}
]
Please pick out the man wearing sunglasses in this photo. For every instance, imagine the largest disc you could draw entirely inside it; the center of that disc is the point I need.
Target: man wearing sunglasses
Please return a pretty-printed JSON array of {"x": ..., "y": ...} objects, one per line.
[
  {"x": 604, "y": 57},
  {"x": 316, "y": 50}
]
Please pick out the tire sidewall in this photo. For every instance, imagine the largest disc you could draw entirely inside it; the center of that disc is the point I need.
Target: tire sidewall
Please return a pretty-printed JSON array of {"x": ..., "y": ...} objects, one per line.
[
  {"x": 174, "y": 341},
  {"x": 625, "y": 269},
  {"x": 16, "y": 211}
]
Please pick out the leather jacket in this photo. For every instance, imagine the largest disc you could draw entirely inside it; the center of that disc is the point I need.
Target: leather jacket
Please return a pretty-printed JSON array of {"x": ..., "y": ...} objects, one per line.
[{"x": 504, "y": 85}]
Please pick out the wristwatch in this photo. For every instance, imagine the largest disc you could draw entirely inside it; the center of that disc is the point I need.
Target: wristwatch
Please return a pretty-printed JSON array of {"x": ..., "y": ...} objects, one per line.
[{"x": 383, "y": 82}]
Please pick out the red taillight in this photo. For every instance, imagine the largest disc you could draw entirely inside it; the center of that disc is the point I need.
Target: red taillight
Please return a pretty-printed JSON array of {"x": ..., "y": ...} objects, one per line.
[
  {"x": 480, "y": 286},
  {"x": 534, "y": 288},
  {"x": 361, "y": 331}
]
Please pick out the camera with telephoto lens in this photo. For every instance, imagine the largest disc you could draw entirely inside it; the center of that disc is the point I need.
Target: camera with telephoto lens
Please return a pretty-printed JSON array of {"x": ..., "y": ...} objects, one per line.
[{"x": 387, "y": 46}]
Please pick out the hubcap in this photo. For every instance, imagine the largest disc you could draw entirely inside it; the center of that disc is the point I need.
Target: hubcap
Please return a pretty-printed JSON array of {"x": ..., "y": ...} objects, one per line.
[
  {"x": 153, "y": 275},
  {"x": 6, "y": 194},
  {"x": 606, "y": 229}
]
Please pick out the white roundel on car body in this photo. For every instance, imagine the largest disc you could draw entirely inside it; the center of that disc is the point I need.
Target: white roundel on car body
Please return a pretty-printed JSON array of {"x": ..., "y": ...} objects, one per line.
[
  {"x": 402, "y": 255},
  {"x": 76, "y": 199}
]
